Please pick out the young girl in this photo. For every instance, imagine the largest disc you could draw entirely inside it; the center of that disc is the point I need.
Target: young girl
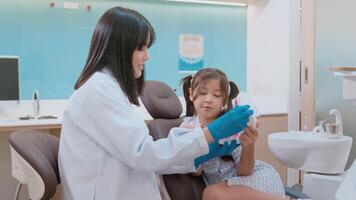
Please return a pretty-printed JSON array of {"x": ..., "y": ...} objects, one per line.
[{"x": 208, "y": 95}]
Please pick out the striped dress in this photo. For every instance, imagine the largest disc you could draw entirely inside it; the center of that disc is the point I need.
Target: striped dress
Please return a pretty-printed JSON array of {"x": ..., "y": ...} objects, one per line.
[{"x": 264, "y": 177}]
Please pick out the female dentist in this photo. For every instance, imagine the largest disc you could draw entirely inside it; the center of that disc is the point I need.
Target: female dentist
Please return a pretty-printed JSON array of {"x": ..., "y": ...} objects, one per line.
[{"x": 105, "y": 149}]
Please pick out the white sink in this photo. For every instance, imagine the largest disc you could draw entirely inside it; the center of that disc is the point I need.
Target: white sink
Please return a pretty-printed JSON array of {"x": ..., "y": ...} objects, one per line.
[{"x": 310, "y": 152}]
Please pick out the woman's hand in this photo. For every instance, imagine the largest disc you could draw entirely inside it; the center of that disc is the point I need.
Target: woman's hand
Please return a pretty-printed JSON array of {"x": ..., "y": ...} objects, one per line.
[
  {"x": 230, "y": 123},
  {"x": 216, "y": 150}
]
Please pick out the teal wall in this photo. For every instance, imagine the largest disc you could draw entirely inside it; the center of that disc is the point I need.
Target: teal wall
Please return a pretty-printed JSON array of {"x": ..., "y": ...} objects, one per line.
[
  {"x": 335, "y": 45},
  {"x": 53, "y": 43}
]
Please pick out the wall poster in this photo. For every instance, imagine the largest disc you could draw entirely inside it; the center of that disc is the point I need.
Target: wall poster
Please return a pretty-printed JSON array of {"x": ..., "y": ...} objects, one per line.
[{"x": 191, "y": 52}]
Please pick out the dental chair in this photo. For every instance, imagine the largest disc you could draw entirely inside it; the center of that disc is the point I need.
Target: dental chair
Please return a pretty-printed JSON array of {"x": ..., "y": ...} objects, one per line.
[
  {"x": 34, "y": 163},
  {"x": 165, "y": 108}
]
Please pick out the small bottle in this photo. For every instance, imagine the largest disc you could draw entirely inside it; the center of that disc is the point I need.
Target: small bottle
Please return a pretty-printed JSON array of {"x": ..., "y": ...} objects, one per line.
[{"x": 35, "y": 104}]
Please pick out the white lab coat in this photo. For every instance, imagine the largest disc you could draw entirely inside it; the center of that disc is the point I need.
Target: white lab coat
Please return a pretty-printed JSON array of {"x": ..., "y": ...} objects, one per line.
[{"x": 105, "y": 150}]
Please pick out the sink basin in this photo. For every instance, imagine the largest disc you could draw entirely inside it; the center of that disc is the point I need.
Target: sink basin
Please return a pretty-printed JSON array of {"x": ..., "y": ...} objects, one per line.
[{"x": 310, "y": 152}]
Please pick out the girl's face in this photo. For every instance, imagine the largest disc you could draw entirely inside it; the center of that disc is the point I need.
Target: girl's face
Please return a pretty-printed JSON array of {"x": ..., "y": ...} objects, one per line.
[{"x": 209, "y": 101}]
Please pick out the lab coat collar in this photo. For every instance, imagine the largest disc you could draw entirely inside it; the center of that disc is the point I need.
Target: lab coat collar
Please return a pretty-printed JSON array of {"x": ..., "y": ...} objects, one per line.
[{"x": 107, "y": 71}]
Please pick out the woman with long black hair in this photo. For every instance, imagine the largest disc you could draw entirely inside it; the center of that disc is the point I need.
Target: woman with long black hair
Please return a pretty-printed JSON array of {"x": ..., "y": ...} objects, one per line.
[{"x": 105, "y": 150}]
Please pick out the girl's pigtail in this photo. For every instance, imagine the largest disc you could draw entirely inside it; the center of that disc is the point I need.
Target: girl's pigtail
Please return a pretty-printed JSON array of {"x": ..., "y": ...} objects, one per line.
[
  {"x": 186, "y": 81},
  {"x": 234, "y": 91}
]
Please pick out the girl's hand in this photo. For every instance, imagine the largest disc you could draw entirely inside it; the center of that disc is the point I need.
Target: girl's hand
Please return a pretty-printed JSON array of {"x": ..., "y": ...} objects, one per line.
[{"x": 249, "y": 137}]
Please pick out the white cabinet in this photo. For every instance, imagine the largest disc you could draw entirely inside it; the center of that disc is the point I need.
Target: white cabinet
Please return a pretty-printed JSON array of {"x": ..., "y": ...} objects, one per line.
[{"x": 349, "y": 82}]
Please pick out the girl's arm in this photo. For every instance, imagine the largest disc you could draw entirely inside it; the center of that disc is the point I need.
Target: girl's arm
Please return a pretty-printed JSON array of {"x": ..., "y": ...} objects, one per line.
[{"x": 247, "y": 160}]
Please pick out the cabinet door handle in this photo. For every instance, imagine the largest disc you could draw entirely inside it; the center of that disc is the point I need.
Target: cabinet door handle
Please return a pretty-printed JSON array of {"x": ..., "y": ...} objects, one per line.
[{"x": 306, "y": 78}]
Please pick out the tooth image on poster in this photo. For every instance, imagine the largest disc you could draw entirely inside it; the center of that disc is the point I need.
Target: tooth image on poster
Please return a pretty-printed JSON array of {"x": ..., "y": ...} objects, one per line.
[{"x": 191, "y": 52}]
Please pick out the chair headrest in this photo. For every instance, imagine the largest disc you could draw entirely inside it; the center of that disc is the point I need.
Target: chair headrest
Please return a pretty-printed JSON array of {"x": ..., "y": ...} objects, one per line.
[{"x": 160, "y": 100}]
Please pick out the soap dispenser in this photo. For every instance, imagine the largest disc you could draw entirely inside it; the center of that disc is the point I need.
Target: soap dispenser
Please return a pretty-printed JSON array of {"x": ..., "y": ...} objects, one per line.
[{"x": 36, "y": 103}]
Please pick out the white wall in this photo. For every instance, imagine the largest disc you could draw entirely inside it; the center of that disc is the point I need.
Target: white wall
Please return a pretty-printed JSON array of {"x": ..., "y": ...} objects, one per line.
[
  {"x": 268, "y": 48},
  {"x": 273, "y": 51},
  {"x": 273, "y": 57}
]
